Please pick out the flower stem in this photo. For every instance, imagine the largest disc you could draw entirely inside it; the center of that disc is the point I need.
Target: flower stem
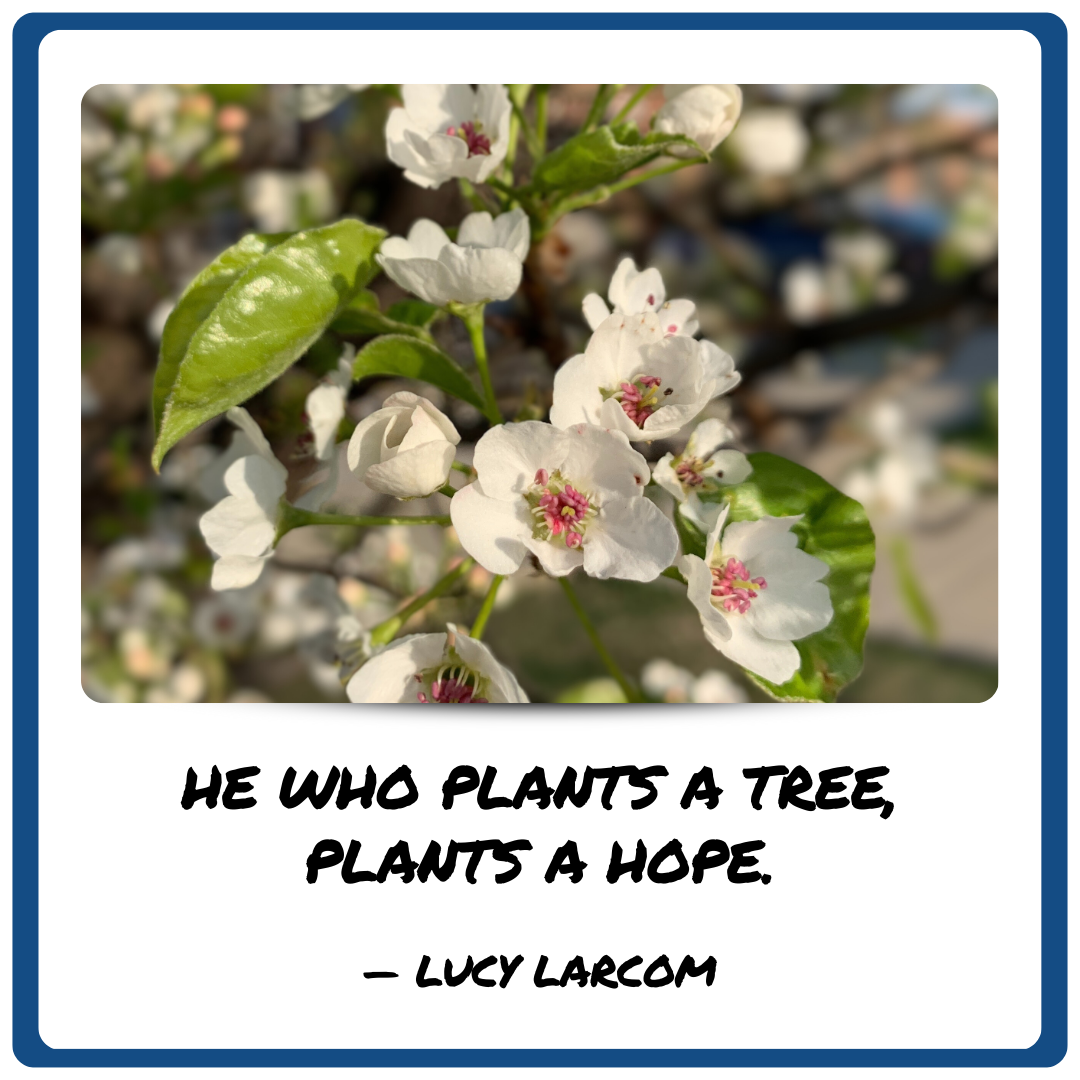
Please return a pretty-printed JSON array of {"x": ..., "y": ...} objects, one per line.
[
  {"x": 604, "y": 94},
  {"x": 541, "y": 118},
  {"x": 461, "y": 467},
  {"x": 914, "y": 597},
  {"x": 599, "y": 194},
  {"x": 473, "y": 318},
  {"x": 635, "y": 98},
  {"x": 386, "y": 630},
  {"x": 624, "y": 683},
  {"x": 448, "y": 490},
  {"x": 293, "y": 517},
  {"x": 531, "y": 141},
  {"x": 486, "y": 607}
]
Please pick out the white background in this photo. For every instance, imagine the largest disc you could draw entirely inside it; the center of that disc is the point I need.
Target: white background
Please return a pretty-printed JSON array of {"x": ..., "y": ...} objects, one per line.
[{"x": 918, "y": 931}]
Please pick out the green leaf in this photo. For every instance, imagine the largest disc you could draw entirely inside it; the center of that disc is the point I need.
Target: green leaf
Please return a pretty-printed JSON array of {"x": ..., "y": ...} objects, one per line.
[
  {"x": 410, "y": 358},
  {"x": 194, "y": 307},
  {"x": 834, "y": 529},
  {"x": 601, "y": 157},
  {"x": 362, "y": 317},
  {"x": 238, "y": 338}
]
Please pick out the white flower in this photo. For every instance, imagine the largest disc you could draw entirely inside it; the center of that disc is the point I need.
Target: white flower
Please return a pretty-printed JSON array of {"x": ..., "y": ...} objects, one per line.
[
  {"x": 666, "y": 681},
  {"x": 225, "y": 621},
  {"x": 449, "y": 130},
  {"x": 325, "y": 405},
  {"x": 572, "y": 498},
  {"x": 448, "y": 668},
  {"x": 281, "y": 201},
  {"x": 866, "y": 255},
  {"x": 317, "y": 99},
  {"x": 633, "y": 292},
  {"x": 405, "y": 449},
  {"x": 757, "y": 592},
  {"x": 484, "y": 264},
  {"x": 771, "y": 141},
  {"x": 702, "y": 466},
  {"x": 706, "y": 113},
  {"x": 635, "y": 379},
  {"x": 241, "y": 528}
]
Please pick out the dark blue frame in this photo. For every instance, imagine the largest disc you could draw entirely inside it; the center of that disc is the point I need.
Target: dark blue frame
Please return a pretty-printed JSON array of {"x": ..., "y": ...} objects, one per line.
[{"x": 28, "y": 1046}]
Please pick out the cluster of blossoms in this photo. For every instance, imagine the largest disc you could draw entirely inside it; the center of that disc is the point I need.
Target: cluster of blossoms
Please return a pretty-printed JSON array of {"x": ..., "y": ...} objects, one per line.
[{"x": 566, "y": 493}]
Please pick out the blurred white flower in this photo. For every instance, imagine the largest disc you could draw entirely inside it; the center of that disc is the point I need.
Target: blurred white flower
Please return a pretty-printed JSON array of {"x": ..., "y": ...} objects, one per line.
[
  {"x": 186, "y": 684},
  {"x": 865, "y": 254},
  {"x": 706, "y": 113},
  {"x": 153, "y": 109},
  {"x": 225, "y": 620},
  {"x": 281, "y": 201},
  {"x": 635, "y": 378},
  {"x": 757, "y": 592},
  {"x": 242, "y": 527},
  {"x": 771, "y": 141},
  {"x": 445, "y": 131},
  {"x": 634, "y": 292},
  {"x": 449, "y": 668},
  {"x": 485, "y": 264},
  {"x": 666, "y": 681},
  {"x": 97, "y": 137},
  {"x": 572, "y": 498},
  {"x": 325, "y": 405},
  {"x": 317, "y": 99},
  {"x": 89, "y": 397},
  {"x": 702, "y": 466},
  {"x": 121, "y": 253},
  {"x": 405, "y": 449}
]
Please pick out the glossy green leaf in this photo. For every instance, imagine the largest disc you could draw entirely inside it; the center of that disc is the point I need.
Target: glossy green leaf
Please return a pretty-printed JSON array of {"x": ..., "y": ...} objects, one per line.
[
  {"x": 194, "y": 307},
  {"x": 265, "y": 318},
  {"x": 834, "y": 529},
  {"x": 363, "y": 317},
  {"x": 410, "y": 358},
  {"x": 601, "y": 157}
]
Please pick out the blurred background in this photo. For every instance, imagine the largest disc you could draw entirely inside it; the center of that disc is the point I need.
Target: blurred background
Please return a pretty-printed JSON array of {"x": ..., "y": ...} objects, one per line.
[{"x": 842, "y": 246}]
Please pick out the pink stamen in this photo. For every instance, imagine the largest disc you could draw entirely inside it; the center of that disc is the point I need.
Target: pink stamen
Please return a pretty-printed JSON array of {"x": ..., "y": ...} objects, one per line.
[
  {"x": 637, "y": 400},
  {"x": 650, "y": 300},
  {"x": 562, "y": 511},
  {"x": 733, "y": 586},
  {"x": 542, "y": 477},
  {"x": 689, "y": 472},
  {"x": 449, "y": 691},
  {"x": 477, "y": 143}
]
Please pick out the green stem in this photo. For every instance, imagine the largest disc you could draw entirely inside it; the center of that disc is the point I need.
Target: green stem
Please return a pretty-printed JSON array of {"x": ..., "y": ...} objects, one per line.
[
  {"x": 461, "y": 467},
  {"x": 541, "y": 118},
  {"x": 590, "y": 198},
  {"x": 635, "y": 98},
  {"x": 293, "y": 517},
  {"x": 624, "y": 683},
  {"x": 473, "y": 318},
  {"x": 387, "y": 629},
  {"x": 448, "y": 490},
  {"x": 914, "y": 597},
  {"x": 531, "y": 141},
  {"x": 471, "y": 195},
  {"x": 604, "y": 93},
  {"x": 486, "y": 607}
]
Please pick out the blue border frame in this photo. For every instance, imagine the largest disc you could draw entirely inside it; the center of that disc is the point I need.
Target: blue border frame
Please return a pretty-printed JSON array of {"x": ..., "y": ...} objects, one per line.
[{"x": 28, "y": 1046}]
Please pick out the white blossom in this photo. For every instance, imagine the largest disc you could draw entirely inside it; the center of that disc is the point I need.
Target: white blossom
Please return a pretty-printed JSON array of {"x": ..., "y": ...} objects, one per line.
[
  {"x": 757, "y": 593},
  {"x": 636, "y": 379},
  {"x": 317, "y": 99},
  {"x": 633, "y": 292},
  {"x": 325, "y": 405},
  {"x": 241, "y": 528},
  {"x": 771, "y": 141},
  {"x": 445, "y": 131},
  {"x": 450, "y": 668},
  {"x": 668, "y": 682},
  {"x": 404, "y": 449},
  {"x": 702, "y": 466},
  {"x": 572, "y": 498},
  {"x": 484, "y": 264},
  {"x": 706, "y": 113}
]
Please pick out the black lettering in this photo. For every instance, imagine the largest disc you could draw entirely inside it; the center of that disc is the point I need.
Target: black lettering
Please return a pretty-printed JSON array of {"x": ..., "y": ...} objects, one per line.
[
  {"x": 640, "y": 778},
  {"x": 346, "y": 792},
  {"x": 462, "y": 779},
  {"x": 711, "y": 854},
  {"x": 349, "y": 874},
  {"x": 689, "y": 968},
  {"x": 193, "y": 794},
  {"x": 625, "y": 967},
  {"x": 533, "y": 786},
  {"x": 325, "y": 854},
  {"x": 635, "y": 868},
  {"x": 397, "y": 860},
  {"x": 308, "y": 790},
  {"x": 566, "y": 861},
  {"x": 740, "y": 857},
  {"x": 672, "y": 849},
  {"x": 505, "y": 853},
  {"x": 702, "y": 786},
  {"x": 567, "y": 791},
  {"x": 421, "y": 974},
  {"x": 603, "y": 967},
  {"x": 792, "y": 786},
  {"x": 762, "y": 774},
  {"x": 429, "y": 864},
  {"x": 661, "y": 963},
  {"x": 485, "y": 963},
  {"x": 538, "y": 975},
  {"x": 828, "y": 778},
  {"x": 484, "y": 799},
  {"x": 401, "y": 775}
]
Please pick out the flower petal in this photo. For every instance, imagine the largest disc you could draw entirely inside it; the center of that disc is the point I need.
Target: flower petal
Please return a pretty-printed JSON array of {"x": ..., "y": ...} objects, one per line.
[
  {"x": 677, "y": 317},
  {"x": 556, "y": 559},
  {"x": 325, "y": 407},
  {"x": 595, "y": 310},
  {"x": 236, "y": 571},
  {"x": 576, "y": 395},
  {"x": 389, "y": 677},
  {"x": 508, "y": 456},
  {"x": 699, "y": 592},
  {"x": 729, "y": 467},
  {"x": 776, "y": 661},
  {"x": 632, "y": 540},
  {"x": 493, "y": 532},
  {"x": 604, "y": 462},
  {"x": 708, "y": 436},
  {"x": 368, "y": 439},
  {"x": 504, "y": 687},
  {"x": 413, "y": 473},
  {"x": 788, "y": 612},
  {"x": 663, "y": 473}
]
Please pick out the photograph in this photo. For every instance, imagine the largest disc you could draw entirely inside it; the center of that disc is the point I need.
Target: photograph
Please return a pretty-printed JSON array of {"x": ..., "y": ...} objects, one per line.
[{"x": 516, "y": 393}]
